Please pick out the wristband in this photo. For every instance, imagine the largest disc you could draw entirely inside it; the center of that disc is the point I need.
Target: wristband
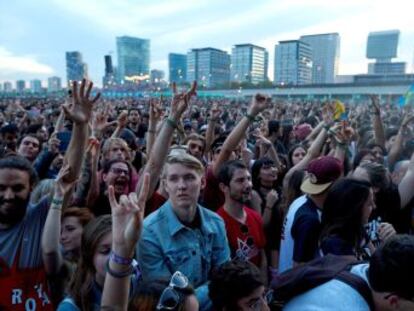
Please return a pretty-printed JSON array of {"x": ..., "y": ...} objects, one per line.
[
  {"x": 172, "y": 123},
  {"x": 118, "y": 275},
  {"x": 119, "y": 259},
  {"x": 57, "y": 201}
]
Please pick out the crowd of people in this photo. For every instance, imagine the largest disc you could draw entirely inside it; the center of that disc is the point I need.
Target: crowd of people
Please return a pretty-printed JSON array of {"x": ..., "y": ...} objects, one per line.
[{"x": 180, "y": 203}]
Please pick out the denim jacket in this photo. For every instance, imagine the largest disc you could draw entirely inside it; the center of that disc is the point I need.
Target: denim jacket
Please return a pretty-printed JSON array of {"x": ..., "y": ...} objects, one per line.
[{"x": 166, "y": 245}]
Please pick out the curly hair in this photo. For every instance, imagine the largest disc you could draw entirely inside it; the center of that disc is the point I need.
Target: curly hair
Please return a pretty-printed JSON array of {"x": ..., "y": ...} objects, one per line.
[{"x": 232, "y": 281}]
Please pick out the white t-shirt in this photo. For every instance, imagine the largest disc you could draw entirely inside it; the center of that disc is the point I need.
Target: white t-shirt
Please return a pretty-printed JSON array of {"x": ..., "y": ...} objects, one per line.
[{"x": 333, "y": 295}]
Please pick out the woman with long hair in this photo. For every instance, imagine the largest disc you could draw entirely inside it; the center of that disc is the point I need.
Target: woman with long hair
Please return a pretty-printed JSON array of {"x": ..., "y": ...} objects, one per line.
[
  {"x": 265, "y": 179},
  {"x": 345, "y": 213},
  {"x": 85, "y": 287}
]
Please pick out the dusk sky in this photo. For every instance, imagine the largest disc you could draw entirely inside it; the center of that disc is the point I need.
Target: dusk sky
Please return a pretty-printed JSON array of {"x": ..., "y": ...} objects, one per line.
[{"x": 34, "y": 35}]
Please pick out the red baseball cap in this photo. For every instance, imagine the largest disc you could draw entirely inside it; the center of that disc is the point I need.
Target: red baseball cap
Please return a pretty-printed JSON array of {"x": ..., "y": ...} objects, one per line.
[{"x": 321, "y": 173}]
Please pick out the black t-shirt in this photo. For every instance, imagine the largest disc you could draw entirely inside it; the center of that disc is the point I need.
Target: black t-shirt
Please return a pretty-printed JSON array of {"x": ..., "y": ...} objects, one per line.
[
  {"x": 336, "y": 246},
  {"x": 305, "y": 230},
  {"x": 388, "y": 208}
]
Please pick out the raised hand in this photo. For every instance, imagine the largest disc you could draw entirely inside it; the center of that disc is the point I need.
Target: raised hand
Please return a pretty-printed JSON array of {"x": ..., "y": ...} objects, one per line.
[
  {"x": 123, "y": 119},
  {"x": 375, "y": 103},
  {"x": 386, "y": 231},
  {"x": 343, "y": 132},
  {"x": 100, "y": 122},
  {"x": 127, "y": 218},
  {"x": 180, "y": 101},
  {"x": 215, "y": 111},
  {"x": 80, "y": 109},
  {"x": 63, "y": 184},
  {"x": 155, "y": 111},
  {"x": 328, "y": 114},
  {"x": 407, "y": 119},
  {"x": 271, "y": 198},
  {"x": 259, "y": 103}
]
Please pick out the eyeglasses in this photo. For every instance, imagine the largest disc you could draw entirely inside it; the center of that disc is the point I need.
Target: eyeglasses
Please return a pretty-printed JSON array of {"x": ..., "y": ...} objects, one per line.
[
  {"x": 170, "y": 298},
  {"x": 119, "y": 171},
  {"x": 266, "y": 298}
]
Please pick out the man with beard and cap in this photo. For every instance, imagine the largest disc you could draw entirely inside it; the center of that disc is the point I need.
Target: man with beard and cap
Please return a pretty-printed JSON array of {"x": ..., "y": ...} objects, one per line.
[
  {"x": 23, "y": 280},
  {"x": 244, "y": 226}
]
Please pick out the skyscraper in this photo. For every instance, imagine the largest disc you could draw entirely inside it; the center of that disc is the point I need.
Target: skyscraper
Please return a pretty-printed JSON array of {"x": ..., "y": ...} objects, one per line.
[
  {"x": 54, "y": 84},
  {"x": 35, "y": 86},
  {"x": 76, "y": 69},
  {"x": 293, "y": 63},
  {"x": 325, "y": 56},
  {"x": 20, "y": 86},
  {"x": 248, "y": 63},
  {"x": 7, "y": 87},
  {"x": 133, "y": 57},
  {"x": 382, "y": 46},
  {"x": 177, "y": 65},
  {"x": 156, "y": 76},
  {"x": 209, "y": 67},
  {"x": 109, "y": 77}
]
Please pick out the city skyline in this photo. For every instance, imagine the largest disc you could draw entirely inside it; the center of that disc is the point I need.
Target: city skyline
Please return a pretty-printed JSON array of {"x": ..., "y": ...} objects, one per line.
[{"x": 26, "y": 53}]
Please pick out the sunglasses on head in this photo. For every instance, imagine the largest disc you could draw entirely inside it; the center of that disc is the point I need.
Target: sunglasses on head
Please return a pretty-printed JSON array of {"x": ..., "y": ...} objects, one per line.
[{"x": 170, "y": 298}]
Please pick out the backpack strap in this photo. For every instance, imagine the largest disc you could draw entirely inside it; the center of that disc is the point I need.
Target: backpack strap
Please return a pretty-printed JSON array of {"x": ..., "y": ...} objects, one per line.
[{"x": 359, "y": 285}]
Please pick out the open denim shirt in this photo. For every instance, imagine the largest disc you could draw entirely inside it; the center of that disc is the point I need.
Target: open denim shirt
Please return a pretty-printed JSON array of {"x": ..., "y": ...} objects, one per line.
[{"x": 166, "y": 246}]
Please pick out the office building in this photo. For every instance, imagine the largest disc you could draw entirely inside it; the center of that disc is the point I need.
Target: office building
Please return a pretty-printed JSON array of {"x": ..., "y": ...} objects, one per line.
[
  {"x": 109, "y": 77},
  {"x": 54, "y": 84},
  {"x": 382, "y": 46},
  {"x": 248, "y": 64},
  {"x": 210, "y": 67},
  {"x": 20, "y": 86},
  {"x": 76, "y": 69},
  {"x": 177, "y": 66},
  {"x": 387, "y": 68},
  {"x": 35, "y": 86},
  {"x": 325, "y": 56},
  {"x": 133, "y": 58},
  {"x": 156, "y": 76},
  {"x": 293, "y": 63},
  {"x": 7, "y": 87}
]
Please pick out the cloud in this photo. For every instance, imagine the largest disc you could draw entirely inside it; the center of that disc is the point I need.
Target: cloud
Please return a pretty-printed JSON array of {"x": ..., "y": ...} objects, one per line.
[{"x": 11, "y": 64}]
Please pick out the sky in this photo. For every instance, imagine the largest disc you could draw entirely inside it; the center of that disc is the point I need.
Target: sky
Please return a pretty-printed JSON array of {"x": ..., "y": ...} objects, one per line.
[{"x": 34, "y": 35}]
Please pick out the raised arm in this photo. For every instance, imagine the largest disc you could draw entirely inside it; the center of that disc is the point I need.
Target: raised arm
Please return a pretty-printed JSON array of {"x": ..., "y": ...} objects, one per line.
[
  {"x": 406, "y": 186},
  {"x": 121, "y": 124},
  {"x": 155, "y": 114},
  {"x": 127, "y": 217},
  {"x": 52, "y": 256},
  {"x": 377, "y": 122},
  {"x": 162, "y": 144},
  {"x": 397, "y": 146},
  {"x": 80, "y": 112},
  {"x": 211, "y": 125},
  {"x": 259, "y": 103}
]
